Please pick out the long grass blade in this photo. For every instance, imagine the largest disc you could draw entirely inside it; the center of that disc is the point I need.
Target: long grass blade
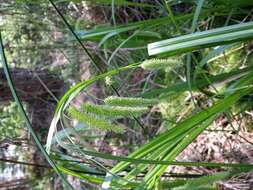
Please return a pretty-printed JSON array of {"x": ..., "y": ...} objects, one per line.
[{"x": 198, "y": 40}]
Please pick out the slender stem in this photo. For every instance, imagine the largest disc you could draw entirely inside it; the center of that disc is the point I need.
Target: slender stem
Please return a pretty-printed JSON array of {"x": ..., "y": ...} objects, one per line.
[
  {"x": 113, "y": 12},
  {"x": 172, "y": 16},
  {"x": 189, "y": 55},
  {"x": 23, "y": 163}
]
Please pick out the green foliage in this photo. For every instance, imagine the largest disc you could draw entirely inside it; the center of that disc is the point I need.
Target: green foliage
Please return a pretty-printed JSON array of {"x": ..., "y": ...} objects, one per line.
[
  {"x": 171, "y": 108},
  {"x": 235, "y": 3},
  {"x": 11, "y": 123},
  {"x": 23, "y": 36}
]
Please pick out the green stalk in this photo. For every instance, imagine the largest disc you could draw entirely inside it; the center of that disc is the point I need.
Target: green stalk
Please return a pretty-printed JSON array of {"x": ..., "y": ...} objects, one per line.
[
  {"x": 189, "y": 55},
  {"x": 172, "y": 16}
]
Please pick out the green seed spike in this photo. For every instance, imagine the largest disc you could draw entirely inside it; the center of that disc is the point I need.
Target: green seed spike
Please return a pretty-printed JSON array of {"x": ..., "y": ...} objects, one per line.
[
  {"x": 94, "y": 122},
  {"x": 130, "y": 102},
  {"x": 114, "y": 111},
  {"x": 154, "y": 64}
]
